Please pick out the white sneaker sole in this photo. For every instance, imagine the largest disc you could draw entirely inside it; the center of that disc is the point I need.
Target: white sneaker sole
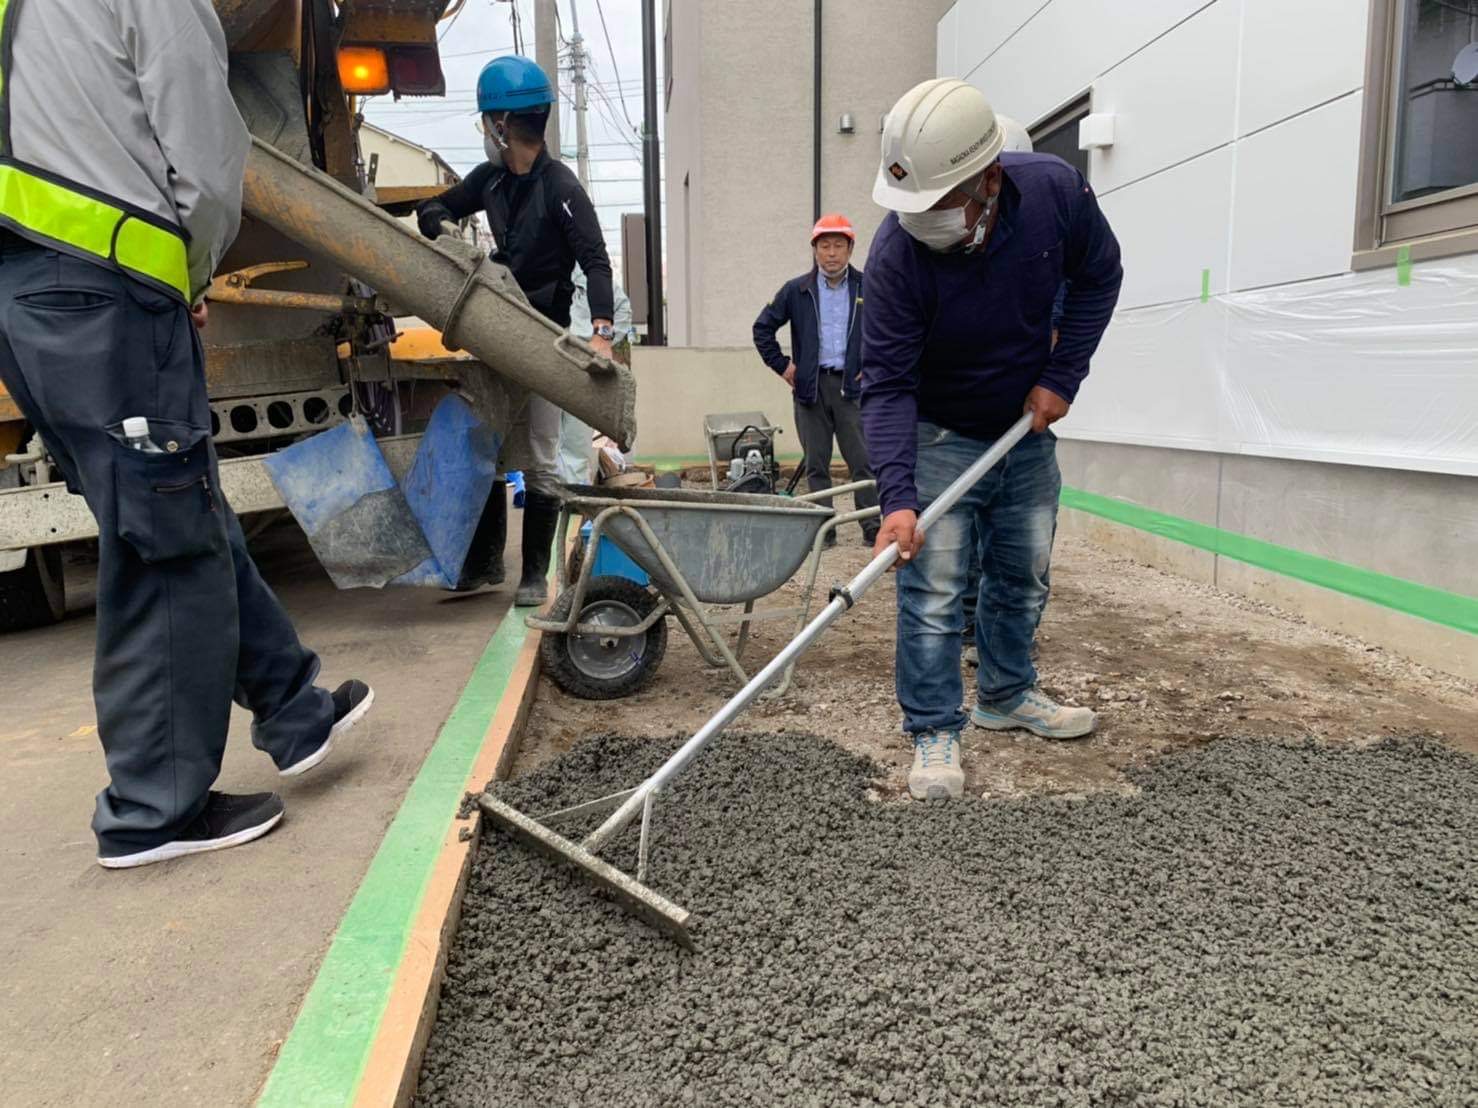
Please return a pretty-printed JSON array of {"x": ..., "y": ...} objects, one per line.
[
  {"x": 303, "y": 765},
  {"x": 936, "y": 790},
  {"x": 179, "y": 849},
  {"x": 994, "y": 722}
]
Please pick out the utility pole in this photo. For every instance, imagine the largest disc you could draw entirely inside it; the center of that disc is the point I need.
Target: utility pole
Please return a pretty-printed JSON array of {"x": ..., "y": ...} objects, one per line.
[
  {"x": 577, "y": 65},
  {"x": 652, "y": 176},
  {"x": 546, "y": 53}
]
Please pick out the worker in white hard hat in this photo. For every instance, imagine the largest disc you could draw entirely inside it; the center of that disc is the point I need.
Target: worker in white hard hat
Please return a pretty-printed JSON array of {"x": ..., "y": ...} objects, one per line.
[{"x": 957, "y": 342}]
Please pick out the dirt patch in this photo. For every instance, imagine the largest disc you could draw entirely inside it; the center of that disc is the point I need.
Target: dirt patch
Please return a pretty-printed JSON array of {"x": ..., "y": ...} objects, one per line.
[
  {"x": 1166, "y": 662},
  {"x": 1258, "y": 923}
]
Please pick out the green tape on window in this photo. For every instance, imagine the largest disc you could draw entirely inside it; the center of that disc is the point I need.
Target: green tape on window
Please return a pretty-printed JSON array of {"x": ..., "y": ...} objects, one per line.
[
  {"x": 1403, "y": 266},
  {"x": 1205, "y": 285},
  {"x": 1450, "y": 609}
]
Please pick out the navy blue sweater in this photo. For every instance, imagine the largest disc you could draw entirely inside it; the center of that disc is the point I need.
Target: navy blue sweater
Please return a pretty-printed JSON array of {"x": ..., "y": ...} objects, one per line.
[{"x": 960, "y": 339}]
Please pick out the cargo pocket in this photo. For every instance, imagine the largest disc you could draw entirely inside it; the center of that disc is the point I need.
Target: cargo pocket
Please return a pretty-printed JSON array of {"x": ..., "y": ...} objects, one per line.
[{"x": 168, "y": 505}]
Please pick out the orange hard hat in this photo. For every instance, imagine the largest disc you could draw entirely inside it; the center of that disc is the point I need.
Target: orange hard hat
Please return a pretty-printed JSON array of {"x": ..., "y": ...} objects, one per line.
[{"x": 833, "y": 224}]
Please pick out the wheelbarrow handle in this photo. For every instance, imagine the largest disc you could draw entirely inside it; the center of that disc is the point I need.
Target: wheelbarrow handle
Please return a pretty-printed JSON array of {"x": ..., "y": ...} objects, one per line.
[{"x": 842, "y": 599}]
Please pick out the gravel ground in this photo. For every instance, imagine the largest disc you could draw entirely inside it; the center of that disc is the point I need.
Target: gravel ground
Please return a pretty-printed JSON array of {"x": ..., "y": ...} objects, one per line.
[
  {"x": 1167, "y": 664},
  {"x": 1255, "y": 923}
]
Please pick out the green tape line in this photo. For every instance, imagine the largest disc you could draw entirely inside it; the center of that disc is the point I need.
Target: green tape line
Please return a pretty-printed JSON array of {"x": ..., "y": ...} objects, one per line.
[
  {"x": 1205, "y": 285},
  {"x": 322, "y": 1061},
  {"x": 1403, "y": 266},
  {"x": 1450, "y": 609}
]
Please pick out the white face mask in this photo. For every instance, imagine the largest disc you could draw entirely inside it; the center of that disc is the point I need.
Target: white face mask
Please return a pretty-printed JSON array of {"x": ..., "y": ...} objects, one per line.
[
  {"x": 947, "y": 229},
  {"x": 492, "y": 143}
]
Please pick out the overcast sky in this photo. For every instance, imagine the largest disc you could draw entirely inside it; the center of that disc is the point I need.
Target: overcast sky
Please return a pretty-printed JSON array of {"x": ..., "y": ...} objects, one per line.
[{"x": 483, "y": 30}]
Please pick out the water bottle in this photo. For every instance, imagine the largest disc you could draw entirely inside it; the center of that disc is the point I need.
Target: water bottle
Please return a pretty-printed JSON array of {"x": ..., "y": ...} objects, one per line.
[{"x": 136, "y": 434}]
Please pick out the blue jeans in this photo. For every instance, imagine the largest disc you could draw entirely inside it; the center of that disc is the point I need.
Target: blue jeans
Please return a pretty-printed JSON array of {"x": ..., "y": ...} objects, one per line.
[{"x": 1013, "y": 510}]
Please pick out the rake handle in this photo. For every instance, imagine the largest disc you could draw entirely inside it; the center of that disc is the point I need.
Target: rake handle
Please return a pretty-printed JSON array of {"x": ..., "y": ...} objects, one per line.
[{"x": 842, "y": 599}]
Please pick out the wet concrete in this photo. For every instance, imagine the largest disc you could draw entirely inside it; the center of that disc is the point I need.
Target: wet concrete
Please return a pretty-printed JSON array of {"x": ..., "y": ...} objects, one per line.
[{"x": 1260, "y": 924}]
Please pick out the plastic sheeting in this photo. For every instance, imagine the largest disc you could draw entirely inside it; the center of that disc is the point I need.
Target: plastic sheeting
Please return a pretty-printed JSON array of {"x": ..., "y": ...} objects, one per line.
[
  {"x": 1358, "y": 369},
  {"x": 367, "y": 529}
]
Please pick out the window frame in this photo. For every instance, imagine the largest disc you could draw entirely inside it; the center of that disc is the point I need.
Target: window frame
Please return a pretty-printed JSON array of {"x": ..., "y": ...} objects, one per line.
[
  {"x": 1071, "y": 113},
  {"x": 1436, "y": 226}
]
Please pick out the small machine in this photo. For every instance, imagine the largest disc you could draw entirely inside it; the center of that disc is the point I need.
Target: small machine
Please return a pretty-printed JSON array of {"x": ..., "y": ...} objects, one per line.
[{"x": 744, "y": 442}]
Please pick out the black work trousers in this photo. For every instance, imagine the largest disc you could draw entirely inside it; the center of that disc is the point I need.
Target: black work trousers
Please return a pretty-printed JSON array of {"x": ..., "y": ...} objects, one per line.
[
  {"x": 834, "y": 416},
  {"x": 184, "y": 621}
]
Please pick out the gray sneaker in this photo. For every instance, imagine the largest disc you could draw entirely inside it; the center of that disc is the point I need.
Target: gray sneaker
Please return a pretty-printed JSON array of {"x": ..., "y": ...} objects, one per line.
[
  {"x": 936, "y": 773},
  {"x": 1038, "y": 713}
]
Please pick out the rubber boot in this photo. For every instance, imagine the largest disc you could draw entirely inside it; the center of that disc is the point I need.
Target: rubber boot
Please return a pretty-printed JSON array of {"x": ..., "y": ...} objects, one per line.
[
  {"x": 540, "y": 518},
  {"x": 484, "y": 562}
]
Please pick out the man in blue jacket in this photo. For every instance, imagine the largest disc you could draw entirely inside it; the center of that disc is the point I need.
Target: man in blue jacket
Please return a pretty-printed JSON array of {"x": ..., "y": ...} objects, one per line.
[
  {"x": 823, "y": 308},
  {"x": 957, "y": 343}
]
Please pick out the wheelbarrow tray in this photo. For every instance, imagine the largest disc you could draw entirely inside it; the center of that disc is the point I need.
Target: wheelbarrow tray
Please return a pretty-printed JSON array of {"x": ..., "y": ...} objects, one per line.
[{"x": 730, "y": 547}]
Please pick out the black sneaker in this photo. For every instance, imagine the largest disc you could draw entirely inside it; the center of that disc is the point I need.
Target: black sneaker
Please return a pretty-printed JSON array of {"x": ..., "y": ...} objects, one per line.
[
  {"x": 869, "y": 539},
  {"x": 227, "y": 820},
  {"x": 352, "y": 700}
]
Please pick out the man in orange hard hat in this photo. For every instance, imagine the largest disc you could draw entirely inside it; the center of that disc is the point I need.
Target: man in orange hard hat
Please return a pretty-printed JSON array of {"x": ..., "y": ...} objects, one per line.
[{"x": 824, "y": 369}]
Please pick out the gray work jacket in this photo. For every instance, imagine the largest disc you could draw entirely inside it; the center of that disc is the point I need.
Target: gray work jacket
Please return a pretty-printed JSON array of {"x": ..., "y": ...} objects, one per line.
[{"x": 129, "y": 97}]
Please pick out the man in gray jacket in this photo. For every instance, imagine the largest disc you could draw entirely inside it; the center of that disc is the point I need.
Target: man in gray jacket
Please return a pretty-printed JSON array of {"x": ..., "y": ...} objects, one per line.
[{"x": 121, "y": 158}]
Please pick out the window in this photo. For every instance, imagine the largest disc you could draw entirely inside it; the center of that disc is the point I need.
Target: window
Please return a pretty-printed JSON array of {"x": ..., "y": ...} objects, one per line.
[
  {"x": 1419, "y": 159},
  {"x": 1058, "y": 134}
]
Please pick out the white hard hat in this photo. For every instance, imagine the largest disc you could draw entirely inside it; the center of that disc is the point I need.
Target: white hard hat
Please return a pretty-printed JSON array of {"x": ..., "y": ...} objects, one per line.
[
  {"x": 939, "y": 134},
  {"x": 1017, "y": 139}
]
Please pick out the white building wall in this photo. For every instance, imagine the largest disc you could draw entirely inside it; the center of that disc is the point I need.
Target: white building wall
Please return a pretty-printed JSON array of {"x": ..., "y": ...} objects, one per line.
[{"x": 1237, "y": 145}]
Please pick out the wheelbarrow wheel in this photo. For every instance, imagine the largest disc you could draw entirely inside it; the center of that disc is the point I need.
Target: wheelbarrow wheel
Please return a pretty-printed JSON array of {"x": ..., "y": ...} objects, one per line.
[{"x": 595, "y": 667}]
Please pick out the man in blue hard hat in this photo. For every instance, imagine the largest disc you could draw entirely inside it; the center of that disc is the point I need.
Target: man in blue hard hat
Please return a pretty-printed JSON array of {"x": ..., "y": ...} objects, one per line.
[{"x": 543, "y": 224}]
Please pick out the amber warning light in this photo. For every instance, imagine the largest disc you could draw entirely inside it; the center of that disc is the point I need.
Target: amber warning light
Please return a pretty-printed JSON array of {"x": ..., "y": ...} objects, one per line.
[{"x": 364, "y": 70}]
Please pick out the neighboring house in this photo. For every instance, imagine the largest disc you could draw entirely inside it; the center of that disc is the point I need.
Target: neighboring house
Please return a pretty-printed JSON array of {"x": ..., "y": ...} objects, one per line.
[
  {"x": 740, "y": 142},
  {"x": 1295, "y": 187},
  {"x": 403, "y": 173}
]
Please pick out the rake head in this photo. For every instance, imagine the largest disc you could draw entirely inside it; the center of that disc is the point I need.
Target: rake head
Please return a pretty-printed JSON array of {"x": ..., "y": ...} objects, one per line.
[{"x": 630, "y": 893}]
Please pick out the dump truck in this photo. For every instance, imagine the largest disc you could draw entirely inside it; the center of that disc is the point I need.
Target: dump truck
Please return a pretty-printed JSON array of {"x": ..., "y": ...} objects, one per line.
[{"x": 303, "y": 332}]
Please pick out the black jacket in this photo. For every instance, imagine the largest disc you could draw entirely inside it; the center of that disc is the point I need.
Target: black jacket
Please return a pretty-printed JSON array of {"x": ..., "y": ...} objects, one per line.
[
  {"x": 797, "y": 304},
  {"x": 543, "y": 223}
]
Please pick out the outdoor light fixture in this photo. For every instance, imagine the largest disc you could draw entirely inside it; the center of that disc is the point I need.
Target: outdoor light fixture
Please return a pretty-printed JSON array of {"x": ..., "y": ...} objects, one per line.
[
  {"x": 1096, "y": 131},
  {"x": 846, "y": 125}
]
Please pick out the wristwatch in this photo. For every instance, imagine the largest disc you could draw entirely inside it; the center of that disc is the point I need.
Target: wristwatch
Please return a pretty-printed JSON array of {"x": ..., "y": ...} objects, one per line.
[{"x": 605, "y": 331}]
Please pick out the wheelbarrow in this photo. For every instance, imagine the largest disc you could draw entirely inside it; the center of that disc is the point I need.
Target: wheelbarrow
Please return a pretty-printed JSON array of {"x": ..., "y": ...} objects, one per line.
[
  {"x": 707, "y": 553},
  {"x": 633, "y": 893}
]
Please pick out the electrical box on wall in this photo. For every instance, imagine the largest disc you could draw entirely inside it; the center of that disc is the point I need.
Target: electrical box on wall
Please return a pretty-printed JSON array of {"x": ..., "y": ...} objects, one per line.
[{"x": 1096, "y": 131}]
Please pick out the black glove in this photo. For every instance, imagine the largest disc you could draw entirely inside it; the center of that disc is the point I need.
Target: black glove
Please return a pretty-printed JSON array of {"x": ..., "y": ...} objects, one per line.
[{"x": 431, "y": 215}]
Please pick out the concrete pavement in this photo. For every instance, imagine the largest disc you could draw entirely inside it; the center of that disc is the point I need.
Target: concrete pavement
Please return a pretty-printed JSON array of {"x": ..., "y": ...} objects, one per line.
[{"x": 175, "y": 984}]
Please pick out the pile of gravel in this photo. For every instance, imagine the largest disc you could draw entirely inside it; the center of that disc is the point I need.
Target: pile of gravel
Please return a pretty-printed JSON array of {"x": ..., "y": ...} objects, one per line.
[{"x": 1262, "y": 924}]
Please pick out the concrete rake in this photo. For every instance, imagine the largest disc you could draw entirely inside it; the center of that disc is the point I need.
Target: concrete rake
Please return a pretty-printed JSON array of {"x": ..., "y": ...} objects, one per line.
[{"x": 632, "y": 892}]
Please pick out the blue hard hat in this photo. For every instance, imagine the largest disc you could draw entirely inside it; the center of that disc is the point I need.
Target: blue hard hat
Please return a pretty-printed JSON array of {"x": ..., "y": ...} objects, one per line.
[{"x": 513, "y": 84}]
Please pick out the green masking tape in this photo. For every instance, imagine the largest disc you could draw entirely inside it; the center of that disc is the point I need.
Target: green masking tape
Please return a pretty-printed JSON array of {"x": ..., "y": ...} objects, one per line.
[
  {"x": 1450, "y": 609},
  {"x": 1205, "y": 285},
  {"x": 1403, "y": 266}
]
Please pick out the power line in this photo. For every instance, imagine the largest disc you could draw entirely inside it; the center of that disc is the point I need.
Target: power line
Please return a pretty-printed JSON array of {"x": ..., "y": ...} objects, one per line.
[
  {"x": 456, "y": 15},
  {"x": 615, "y": 68},
  {"x": 513, "y": 18}
]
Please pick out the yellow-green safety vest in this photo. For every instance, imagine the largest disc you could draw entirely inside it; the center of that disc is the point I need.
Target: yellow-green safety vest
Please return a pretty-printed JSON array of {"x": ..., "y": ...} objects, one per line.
[{"x": 53, "y": 211}]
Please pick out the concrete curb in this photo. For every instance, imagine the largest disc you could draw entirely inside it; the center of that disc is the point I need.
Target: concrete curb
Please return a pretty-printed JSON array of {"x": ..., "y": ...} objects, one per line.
[
  {"x": 394, "y": 1061},
  {"x": 359, "y": 1035}
]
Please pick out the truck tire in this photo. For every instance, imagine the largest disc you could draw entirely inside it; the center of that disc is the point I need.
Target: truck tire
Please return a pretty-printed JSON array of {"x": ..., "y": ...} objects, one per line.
[
  {"x": 34, "y": 595},
  {"x": 593, "y": 669}
]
